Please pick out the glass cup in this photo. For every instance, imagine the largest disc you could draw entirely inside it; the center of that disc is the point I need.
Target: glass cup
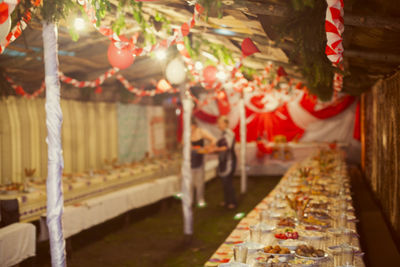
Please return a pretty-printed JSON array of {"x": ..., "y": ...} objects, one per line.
[
  {"x": 341, "y": 221},
  {"x": 255, "y": 234},
  {"x": 265, "y": 216},
  {"x": 346, "y": 256},
  {"x": 346, "y": 236},
  {"x": 334, "y": 236},
  {"x": 240, "y": 253}
]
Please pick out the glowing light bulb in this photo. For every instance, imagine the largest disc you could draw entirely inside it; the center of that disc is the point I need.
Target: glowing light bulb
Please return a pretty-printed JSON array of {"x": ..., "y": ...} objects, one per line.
[
  {"x": 79, "y": 24},
  {"x": 221, "y": 75},
  {"x": 161, "y": 54},
  {"x": 180, "y": 47},
  {"x": 198, "y": 65}
]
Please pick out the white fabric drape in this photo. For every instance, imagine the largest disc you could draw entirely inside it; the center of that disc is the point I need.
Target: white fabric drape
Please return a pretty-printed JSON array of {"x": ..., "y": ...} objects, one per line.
[
  {"x": 55, "y": 200},
  {"x": 187, "y": 197}
]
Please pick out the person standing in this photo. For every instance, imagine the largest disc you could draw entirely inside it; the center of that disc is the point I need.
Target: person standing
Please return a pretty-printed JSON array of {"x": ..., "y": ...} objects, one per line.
[
  {"x": 199, "y": 137},
  {"x": 227, "y": 162}
]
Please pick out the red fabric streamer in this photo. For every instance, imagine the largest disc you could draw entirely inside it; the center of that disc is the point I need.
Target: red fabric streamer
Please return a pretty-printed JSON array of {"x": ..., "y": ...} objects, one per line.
[{"x": 308, "y": 102}]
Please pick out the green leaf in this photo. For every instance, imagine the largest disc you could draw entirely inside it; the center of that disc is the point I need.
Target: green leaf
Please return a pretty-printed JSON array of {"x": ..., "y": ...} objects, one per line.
[{"x": 73, "y": 33}]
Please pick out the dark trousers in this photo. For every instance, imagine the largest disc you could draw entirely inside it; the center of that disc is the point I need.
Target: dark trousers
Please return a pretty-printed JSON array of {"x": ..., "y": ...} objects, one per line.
[{"x": 229, "y": 190}]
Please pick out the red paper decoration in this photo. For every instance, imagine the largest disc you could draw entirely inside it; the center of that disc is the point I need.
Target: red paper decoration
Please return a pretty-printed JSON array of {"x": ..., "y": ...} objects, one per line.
[
  {"x": 210, "y": 75},
  {"x": 248, "y": 47},
  {"x": 3, "y": 12},
  {"x": 120, "y": 53},
  {"x": 299, "y": 86},
  {"x": 98, "y": 90},
  {"x": 185, "y": 29},
  {"x": 281, "y": 72},
  {"x": 163, "y": 85}
]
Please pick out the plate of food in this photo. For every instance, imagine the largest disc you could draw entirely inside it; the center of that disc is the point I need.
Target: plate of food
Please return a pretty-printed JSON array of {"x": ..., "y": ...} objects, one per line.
[
  {"x": 310, "y": 253},
  {"x": 311, "y": 220},
  {"x": 287, "y": 233},
  {"x": 277, "y": 251},
  {"x": 313, "y": 235},
  {"x": 286, "y": 222},
  {"x": 319, "y": 214},
  {"x": 291, "y": 244}
]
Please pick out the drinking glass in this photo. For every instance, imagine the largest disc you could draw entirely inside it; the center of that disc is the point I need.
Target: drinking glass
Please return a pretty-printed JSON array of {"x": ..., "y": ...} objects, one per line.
[
  {"x": 347, "y": 256},
  {"x": 265, "y": 216},
  {"x": 346, "y": 236},
  {"x": 255, "y": 234},
  {"x": 240, "y": 253}
]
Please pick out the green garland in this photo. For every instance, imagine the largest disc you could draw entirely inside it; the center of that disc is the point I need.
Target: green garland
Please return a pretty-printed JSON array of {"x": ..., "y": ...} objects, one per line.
[{"x": 306, "y": 28}]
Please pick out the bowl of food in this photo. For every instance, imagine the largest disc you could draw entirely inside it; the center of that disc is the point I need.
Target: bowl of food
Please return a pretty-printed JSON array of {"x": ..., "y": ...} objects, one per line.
[{"x": 310, "y": 253}]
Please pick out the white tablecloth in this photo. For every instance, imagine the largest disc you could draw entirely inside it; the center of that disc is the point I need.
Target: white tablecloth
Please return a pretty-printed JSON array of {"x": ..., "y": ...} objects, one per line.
[
  {"x": 100, "y": 209},
  {"x": 17, "y": 243}
]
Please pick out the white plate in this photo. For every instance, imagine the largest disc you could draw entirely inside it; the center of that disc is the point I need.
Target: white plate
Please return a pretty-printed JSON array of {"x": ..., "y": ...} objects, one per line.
[
  {"x": 313, "y": 258},
  {"x": 234, "y": 264},
  {"x": 266, "y": 228}
]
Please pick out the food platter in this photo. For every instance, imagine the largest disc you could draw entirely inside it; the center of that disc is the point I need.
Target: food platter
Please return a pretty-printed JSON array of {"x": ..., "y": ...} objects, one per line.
[
  {"x": 310, "y": 253},
  {"x": 291, "y": 244}
]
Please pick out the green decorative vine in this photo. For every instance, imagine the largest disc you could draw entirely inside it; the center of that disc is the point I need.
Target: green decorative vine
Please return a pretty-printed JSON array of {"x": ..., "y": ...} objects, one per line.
[{"x": 306, "y": 28}]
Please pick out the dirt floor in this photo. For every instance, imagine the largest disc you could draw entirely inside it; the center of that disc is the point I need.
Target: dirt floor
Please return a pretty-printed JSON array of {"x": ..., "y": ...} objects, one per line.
[{"x": 152, "y": 236}]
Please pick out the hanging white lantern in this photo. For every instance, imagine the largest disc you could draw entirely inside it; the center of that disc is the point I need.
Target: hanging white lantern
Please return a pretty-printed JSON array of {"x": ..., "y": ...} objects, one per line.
[
  {"x": 175, "y": 71},
  {"x": 5, "y": 29}
]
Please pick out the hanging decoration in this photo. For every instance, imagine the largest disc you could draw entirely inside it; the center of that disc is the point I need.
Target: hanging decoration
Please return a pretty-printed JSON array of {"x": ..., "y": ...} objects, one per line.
[
  {"x": 177, "y": 33},
  {"x": 249, "y": 48},
  {"x": 95, "y": 83},
  {"x": 334, "y": 27},
  {"x": 139, "y": 92},
  {"x": 20, "y": 91},
  {"x": 175, "y": 71},
  {"x": 120, "y": 53},
  {"x": 16, "y": 31},
  {"x": 5, "y": 27},
  {"x": 210, "y": 76},
  {"x": 4, "y": 15}
]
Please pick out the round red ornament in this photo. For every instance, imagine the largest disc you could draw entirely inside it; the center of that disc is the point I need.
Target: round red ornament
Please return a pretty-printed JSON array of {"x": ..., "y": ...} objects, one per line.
[{"x": 120, "y": 54}]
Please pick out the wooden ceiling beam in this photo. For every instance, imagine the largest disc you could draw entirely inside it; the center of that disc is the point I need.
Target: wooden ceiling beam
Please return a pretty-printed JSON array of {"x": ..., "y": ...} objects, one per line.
[
  {"x": 373, "y": 56},
  {"x": 349, "y": 19}
]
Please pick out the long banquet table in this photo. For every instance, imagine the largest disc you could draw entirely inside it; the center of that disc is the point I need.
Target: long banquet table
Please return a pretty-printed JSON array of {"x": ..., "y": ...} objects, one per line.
[
  {"x": 277, "y": 205},
  {"x": 78, "y": 187}
]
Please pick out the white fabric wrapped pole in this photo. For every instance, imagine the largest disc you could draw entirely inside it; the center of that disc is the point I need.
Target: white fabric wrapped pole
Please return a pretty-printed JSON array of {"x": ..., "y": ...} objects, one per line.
[
  {"x": 55, "y": 200},
  {"x": 243, "y": 141},
  {"x": 187, "y": 190}
]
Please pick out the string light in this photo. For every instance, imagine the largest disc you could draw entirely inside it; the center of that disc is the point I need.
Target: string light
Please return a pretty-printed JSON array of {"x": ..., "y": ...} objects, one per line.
[
  {"x": 198, "y": 65},
  {"x": 161, "y": 54},
  {"x": 221, "y": 75},
  {"x": 79, "y": 24}
]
